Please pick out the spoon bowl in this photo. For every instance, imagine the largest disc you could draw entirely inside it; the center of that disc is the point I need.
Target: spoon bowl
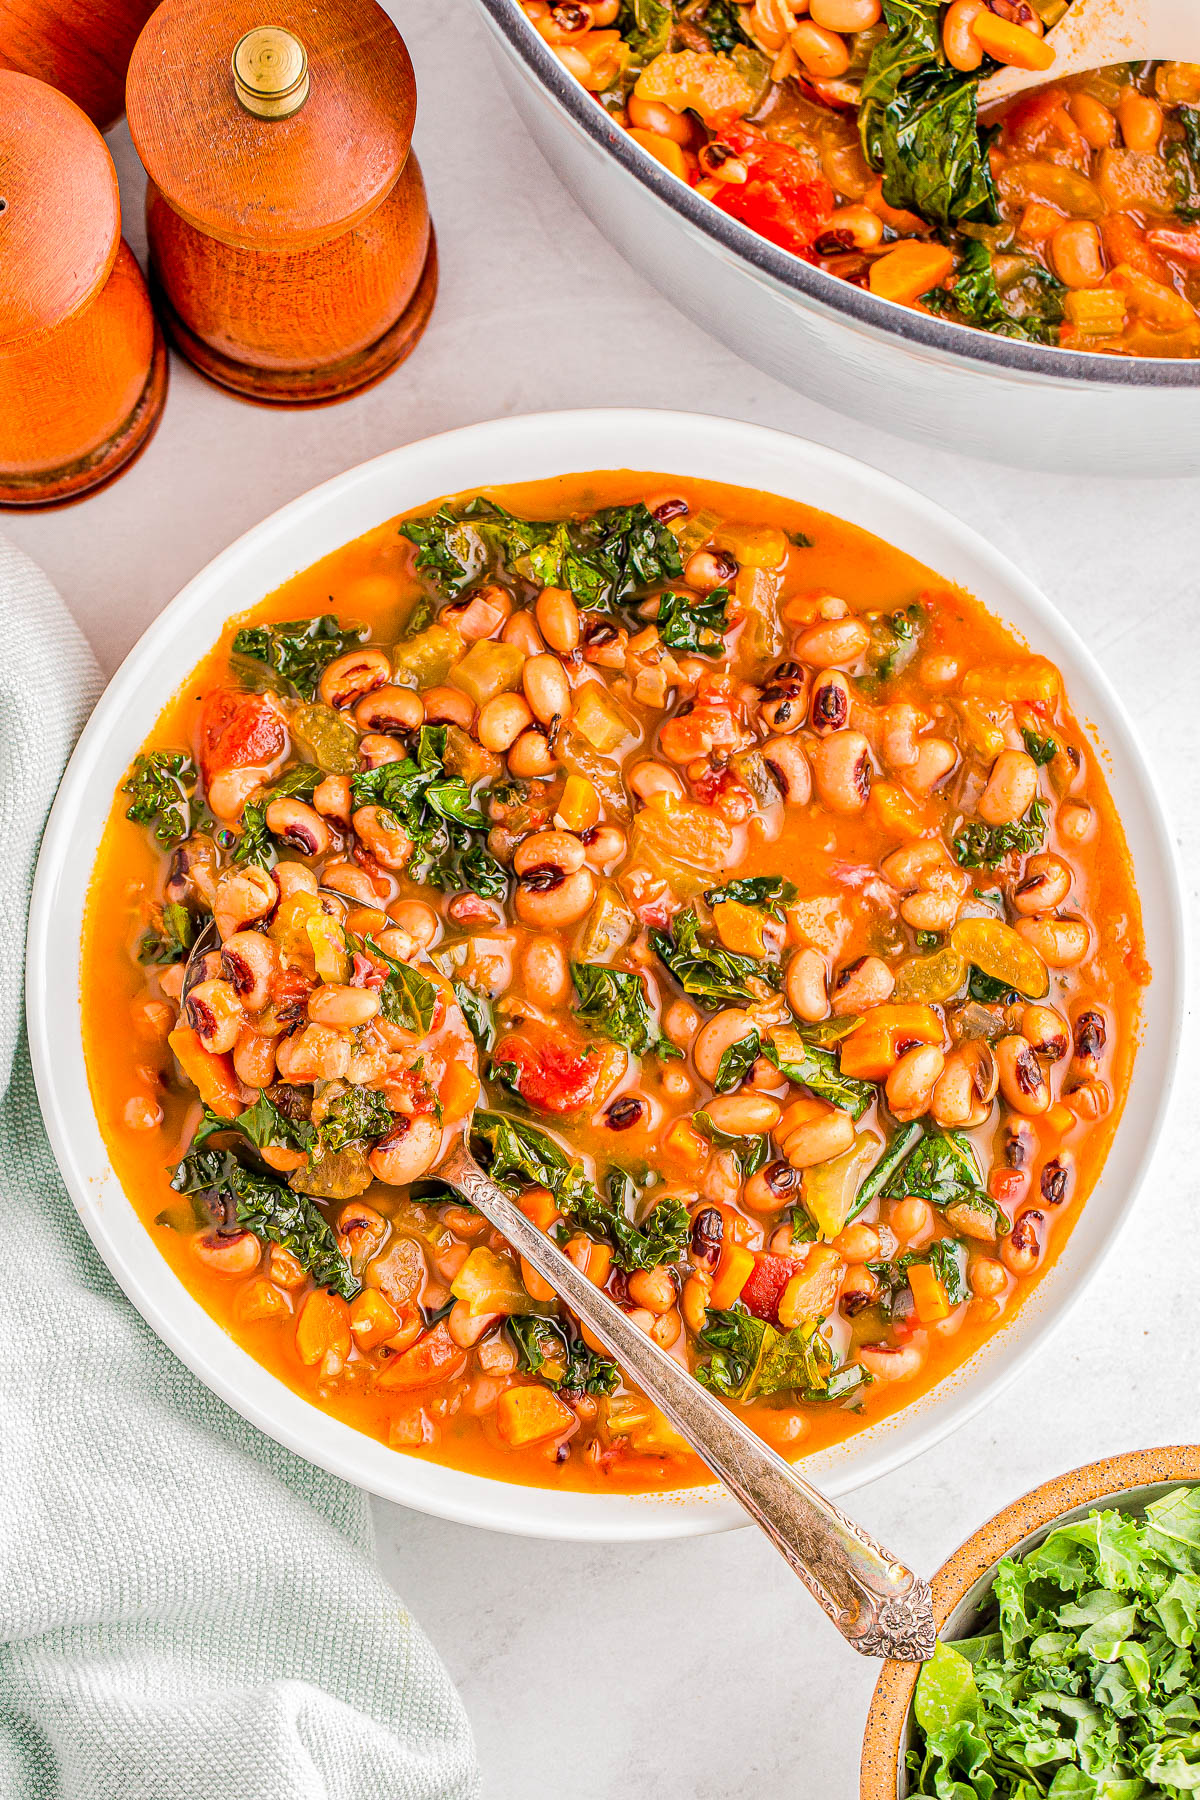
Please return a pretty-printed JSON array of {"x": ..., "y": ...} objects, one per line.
[{"x": 1094, "y": 34}]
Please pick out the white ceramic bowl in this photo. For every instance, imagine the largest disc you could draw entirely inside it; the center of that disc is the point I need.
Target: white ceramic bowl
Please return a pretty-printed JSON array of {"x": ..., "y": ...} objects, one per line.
[
  {"x": 519, "y": 450},
  {"x": 906, "y": 371}
]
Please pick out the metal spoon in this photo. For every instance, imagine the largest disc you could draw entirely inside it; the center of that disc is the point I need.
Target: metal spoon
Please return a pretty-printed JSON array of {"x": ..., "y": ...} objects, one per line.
[
  {"x": 878, "y": 1604},
  {"x": 1094, "y": 34}
]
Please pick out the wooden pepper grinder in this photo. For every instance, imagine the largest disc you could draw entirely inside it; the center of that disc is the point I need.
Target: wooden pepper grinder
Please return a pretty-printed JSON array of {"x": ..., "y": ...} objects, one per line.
[
  {"x": 83, "y": 367},
  {"x": 81, "y": 47},
  {"x": 290, "y": 242}
]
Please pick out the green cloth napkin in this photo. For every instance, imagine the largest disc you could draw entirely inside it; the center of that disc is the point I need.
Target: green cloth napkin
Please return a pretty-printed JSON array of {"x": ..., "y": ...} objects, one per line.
[{"x": 187, "y": 1611}]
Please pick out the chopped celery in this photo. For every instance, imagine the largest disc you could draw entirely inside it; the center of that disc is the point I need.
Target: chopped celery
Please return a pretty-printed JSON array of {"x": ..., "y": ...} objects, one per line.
[
  {"x": 488, "y": 669},
  {"x": 600, "y": 720},
  {"x": 465, "y": 758},
  {"x": 829, "y": 1189},
  {"x": 607, "y": 928},
  {"x": 491, "y": 1284},
  {"x": 426, "y": 659},
  {"x": 579, "y": 758},
  {"x": 326, "y": 737}
]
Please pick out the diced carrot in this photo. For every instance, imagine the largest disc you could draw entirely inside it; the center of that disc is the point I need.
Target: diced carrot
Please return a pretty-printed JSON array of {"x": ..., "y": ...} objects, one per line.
[
  {"x": 538, "y": 1204},
  {"x": 740, "y": 928},
  {"x": 323, "y": 1331},
  {"x": 261, "y": 1299},
  {"x": 686, "y": 1146},
  {"x": 526, "y": 1415},
  {"x": 812, "y": 1291},
  {"x": 910, "y": 270},
  {"x": 930, "y": 1299},
  {"x": 458, "y": 1092},
  {"x": 1060, "y": 1118},
  {"x": 434, "y": 1357},
  {"x": 599, "y": 1263},
  {"x": 373, "y": 1318},
  {"x": 871, "y": 1052},
  {"x": 733, "y": 1272},
  {"x": 1010, "y": 43},
  {"x": 578, "y": 806},
  {"x": 535, "y": 1285},
  {"x": 896, "y": 812},
  {"x": 211, "y": 1076},
  {"x": 663, "y": 150},
  {"x": 1037, "y": 222},
  {"x": 367, "y": 921}
]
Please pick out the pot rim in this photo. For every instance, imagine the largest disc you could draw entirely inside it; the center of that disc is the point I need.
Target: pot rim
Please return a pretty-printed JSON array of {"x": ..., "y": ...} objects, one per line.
[
  {"x": 1034, "y": 1514},
  {"x": 921, "y": 332}
]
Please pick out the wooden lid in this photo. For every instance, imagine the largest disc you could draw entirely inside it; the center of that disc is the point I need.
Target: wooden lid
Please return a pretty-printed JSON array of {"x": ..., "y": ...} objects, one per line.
[
  {"x": 275, "y": 182},
  {"x": 60, "y": 212}
]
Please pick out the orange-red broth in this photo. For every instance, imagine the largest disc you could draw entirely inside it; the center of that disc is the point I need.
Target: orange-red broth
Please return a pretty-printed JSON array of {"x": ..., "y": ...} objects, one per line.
[{"x": 842, "y": 899}]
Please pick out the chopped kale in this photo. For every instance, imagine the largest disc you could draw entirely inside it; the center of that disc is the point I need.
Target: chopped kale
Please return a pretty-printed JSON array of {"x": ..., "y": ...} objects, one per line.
[
  {"x": 750, "y": 1358},
  {"x": 1183, "y": 156},
  {"x": 887, "y": 1168},
  {"x": 271, "y": 1211},
  {"x": 476, "y": 1009},
  {"x": 896, "y": 640},
  {"x": 266, "y": 1125},
  {"x": 436, "y": 810},
  {"x": 1043, "y": 750},
  {"x": 947, "y": 1257},
  {"x": 359, "y": 1116},
  {"x": 769, "y": 893},
  {"x": 519, "y": 1155},
  {"x": 980, "y": 846},
  {"x": 818, "y": 1071},
  {"x": 975, "y": 296},
  {"x": 721, "y": 21},
  {"x": 255, "y": 844},
  {"x": 801, "y": 540},
  {"x": 662, "y": 1236},
  {"x": 686, "y": 623},
  {"x": 299, "y": 650},
  {"x": 159, "y": 786},
  {"x": 988, "y": 991},
  {"x": 171, "y": 939},
  {"x": 563, "y": 1360},
  {"x": 750, "y": 1153},
  {"x": 613, "y": 1002},
  {"x": 407, "y": 998},
  {"x": 918, "y": 122},
  {"x": 737, "y": 1062},
  {"x": 708, "y": 973},
  {"x": 299, "y": 782}
]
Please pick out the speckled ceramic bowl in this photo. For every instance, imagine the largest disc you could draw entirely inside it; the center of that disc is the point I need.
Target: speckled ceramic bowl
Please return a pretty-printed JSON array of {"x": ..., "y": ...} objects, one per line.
[{"x": 963, "y": 1583}]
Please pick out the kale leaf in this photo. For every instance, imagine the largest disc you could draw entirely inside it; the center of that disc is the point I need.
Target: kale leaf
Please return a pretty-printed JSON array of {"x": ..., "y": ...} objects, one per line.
[
  {"x": 980, "y": 846},
  {"x": 448, "y": 831},
  {"x": 476, "y": 1009},
  {"x": 299, "y": 650},
  {"x": 271, "y": 1211},
  {"x": 737, "y": 1062},
  {"x": 407, "y": 998},
  {"x": 721, "y": 22},
  {"x": 942, "y": 1169},
  {"x": 518, "y": 1155},
  {"x": 662, "y": 1236},
  {"x": 714, "y": 976},
  {"x": 919, "y": 125},
  {"x": 645, "y": 26},
  {"x": 686, "y": 623},
  {"x": 769, "y": 893},
  {"x": 255, "y": 844},
  {"x": 613, "y": 1002},
  {"x": 265, "y": 1125},
  {"x": 1183, "y": 156},
  {"x": 976, "y": 298},
  {"x": 1043, "y": 750},
  {"x": 887, "y": 1168},
  {"x": 158, "y": 786},
  {"x": 564, "y": 1361},
  {"x": 818, "y": 1071},
  {"x": 750, "y": 1358},
  {"x": 171, "y": 939},
  {"x": 359, "y": 1116},
  {"x": 750, "y": 1153}
]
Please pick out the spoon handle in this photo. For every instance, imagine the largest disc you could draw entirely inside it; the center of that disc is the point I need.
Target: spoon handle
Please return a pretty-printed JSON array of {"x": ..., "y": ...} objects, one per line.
[{"x": 878, "y": 1605}]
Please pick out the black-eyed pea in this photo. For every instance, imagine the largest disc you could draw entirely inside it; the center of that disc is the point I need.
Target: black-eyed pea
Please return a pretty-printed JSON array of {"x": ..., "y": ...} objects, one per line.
[
  {"x": 152, "y": 1019},
  {"x": 215, "y": 1014},
  {"x": 911, "y": 1219},
  {"x": 892, "y": 1362},
  {"x": 1022, "y": 1082},
  {"x": 837, "y": 642},
  {"x": 604, "y": 845},
  {"x": 911, "y": 1083},
  {"x": 898, "y": 742},
  {"x": 520, "y": 628},
  {"x": 142, "y": 1112},
  {"x": 931, "y": 909},
  {"x": 936, "y": 758},
  {"x": 697, "y": 1291},
  {"x": 501, "y": 721},
  {"x": 241, "y": 897},
  {"x": 937, "y": 668},
  {"x": 820, "y": 1138},
  {"x": 418, "y": 919},
  {"x": 560, "y": 850},
  {"x": 1076, "y": 822},
  {"x": 666, "y": 1328},
  {"x": 729, "y": 1027},
  {"x": 645, "y": 779},
  {"x": 842, "y": 771},
  {"x": 228, "y": 791},
  {"x": 1055, "y": 1179},
  {"x": 408, "y": 1151},
  {"x": 1046, "y": 1030},
  {"x": 654, "y": 1289},
  {"x": 745, "y": 1114},
  {"x": 550, "y": 899},
  {"x": 545, "y": 971},
  {"x": 364, "y": 1229},
  {"x": 987, "y": 1277},
  {"x": 860, "y": 985},
  {"x": 558, "y": 619},
  {"x": 1021, "y": 1250},
  {"x": 804, "y": 985},
  {"x": 859, "y": 1289},
  {"x": 675, "y": 1082},
  {"x": 382, "y": 836},
  {"x": 227, "y": 1252},
  {"x": 333, "y": 798},
  {"x": 857, "y": 1243},
  {"x": 785, "y": 758},
  {"x": 707, "y": 570},
  {"x": 294, "y": 877},
  {"x": 254, "y": 1058},
  {"x": 317, "y": 1053},
  {"x": 773, "y": 1186},
  {"x": 448, "y": 706},
  {"x": 1061, "y": 943},
  {"x": 1089, "y": 1101},
  {"x": 466, "y": 1328},
  {"x": 390, "y": 709},
  {"x": 348, "y": 678},
  {"x": 1011, "y": 788},
  {"x": 342, "y": 1008},
  {"x": 546, "y": 688},
  {"x": 783, "y": 701},
  {"x": 249, "y": 961},
  {"x": 1090, "y": 1037},
  {"x": 530, "y": 755},
  {"x": 377, "y": 748},
  {"x": 680, "y": 1023},
  {"x": 829, "y": 708},
  {"x": 1044, "y": 884}
]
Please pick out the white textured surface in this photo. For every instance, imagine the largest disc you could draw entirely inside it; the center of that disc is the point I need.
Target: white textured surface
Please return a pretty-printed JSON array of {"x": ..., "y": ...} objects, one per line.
[{"x": 694, "y": 1671}]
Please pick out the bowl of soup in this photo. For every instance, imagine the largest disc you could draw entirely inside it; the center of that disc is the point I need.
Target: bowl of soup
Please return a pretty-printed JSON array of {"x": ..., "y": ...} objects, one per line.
[
  {"x": 1020, "y": 285},
  {"x": 761, "y": 868}
]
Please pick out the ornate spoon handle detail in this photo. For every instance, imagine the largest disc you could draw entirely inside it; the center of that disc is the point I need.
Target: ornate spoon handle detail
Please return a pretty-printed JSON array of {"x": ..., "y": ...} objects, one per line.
[{"x": 878, "y": 1605}]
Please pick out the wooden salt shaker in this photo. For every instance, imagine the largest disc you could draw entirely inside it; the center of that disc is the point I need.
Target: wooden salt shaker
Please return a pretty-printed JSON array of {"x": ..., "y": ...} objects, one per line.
[
  {"x": 290, "y": 242},
  {"x": 83, "y": 367},
  {"x": 81, "y": 47}
]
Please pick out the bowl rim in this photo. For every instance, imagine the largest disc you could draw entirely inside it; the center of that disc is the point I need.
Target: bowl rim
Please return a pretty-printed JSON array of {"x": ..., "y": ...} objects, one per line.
[
  {"x": 302, "y": 532},
  {"x": 1030, "y": 1517},
  {"x": 828, "y": 293}
]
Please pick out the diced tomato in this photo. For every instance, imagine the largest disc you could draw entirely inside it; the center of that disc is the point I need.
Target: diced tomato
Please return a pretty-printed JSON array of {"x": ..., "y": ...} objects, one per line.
[
  {"x": 765, "y": 1284},
  {"x": 553, "y": 1070},
  {"x": 1181, "y": 244},
  {"x": 238, "y": 731},
  {"x": 434, "y": 1357},
  {"x": 1126, "y": 242},
  {"x": 1007, "y": 1186},
  {"x": 782, "y": 198}
]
